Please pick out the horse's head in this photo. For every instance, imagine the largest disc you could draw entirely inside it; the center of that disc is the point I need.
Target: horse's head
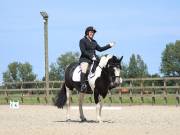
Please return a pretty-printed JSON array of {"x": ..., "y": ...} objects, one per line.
[{"x": 114, "y": 67}]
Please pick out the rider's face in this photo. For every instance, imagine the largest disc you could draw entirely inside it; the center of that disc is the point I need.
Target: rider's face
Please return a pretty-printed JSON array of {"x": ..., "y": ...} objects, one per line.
[{"x": 91, "y": 34}]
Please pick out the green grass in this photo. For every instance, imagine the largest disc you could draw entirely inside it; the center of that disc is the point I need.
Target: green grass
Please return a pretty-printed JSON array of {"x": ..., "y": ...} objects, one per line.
[
  {"x": 29, "y": 100},
  {"x": 89, "y": 99}
]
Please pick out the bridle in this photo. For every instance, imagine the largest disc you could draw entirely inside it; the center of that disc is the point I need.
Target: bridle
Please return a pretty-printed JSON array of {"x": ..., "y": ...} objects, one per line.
[
  {"x": 100, "y": 67},
  {"x": 110, "y": 65},
  {"x": 115, "y": 65}
]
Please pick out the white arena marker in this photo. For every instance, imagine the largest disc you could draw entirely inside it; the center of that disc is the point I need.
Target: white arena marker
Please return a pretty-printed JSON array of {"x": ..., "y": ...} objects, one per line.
[{"x": 14, "y": 104}]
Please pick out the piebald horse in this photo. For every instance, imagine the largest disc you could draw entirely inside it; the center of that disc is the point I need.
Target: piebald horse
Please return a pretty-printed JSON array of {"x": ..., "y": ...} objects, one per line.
[{"x": 107, "y": 76}]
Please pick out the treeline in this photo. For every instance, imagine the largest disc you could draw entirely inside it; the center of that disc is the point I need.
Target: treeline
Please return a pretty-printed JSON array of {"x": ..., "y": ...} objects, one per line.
[{"x": 136, "y": 68}]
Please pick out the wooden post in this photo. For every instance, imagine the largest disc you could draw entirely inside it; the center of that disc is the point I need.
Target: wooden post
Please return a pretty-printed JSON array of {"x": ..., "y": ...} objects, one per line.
[
  {"x": 90, "y": 99},
  {"x": 153, "y": 95},
  {"x": 110, "y": 97},
  {"x": 177, "y": 95},
  {"x": 6, "y": 95},
  {"x": 120, "y": 95},
  {"x": 130, "y": 93},
  {"x": 165, "y": 92},
  {"x": 22, "y": 95},
  {"x": 38, "y": 98},
  {"x": 142, "y": 94}
]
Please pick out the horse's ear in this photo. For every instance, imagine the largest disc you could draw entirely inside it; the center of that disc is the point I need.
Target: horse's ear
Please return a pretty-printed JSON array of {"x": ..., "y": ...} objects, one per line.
[
  {"x": 121, "y": 58},
  {"x": 114, "y": 57}
]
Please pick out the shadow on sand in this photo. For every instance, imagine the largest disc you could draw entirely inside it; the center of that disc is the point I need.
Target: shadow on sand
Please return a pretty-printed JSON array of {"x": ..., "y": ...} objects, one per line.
[{"x": 79, "y": 121}]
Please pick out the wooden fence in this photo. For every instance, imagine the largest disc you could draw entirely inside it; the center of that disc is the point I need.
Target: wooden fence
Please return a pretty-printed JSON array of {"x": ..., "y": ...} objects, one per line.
[{"x": 130, "y": 89}]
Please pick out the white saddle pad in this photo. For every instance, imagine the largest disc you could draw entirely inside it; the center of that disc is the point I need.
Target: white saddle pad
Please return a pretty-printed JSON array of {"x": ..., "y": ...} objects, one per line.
[
  {"x": 76, "y": 77},
  {"x": 77, "y": 74}
]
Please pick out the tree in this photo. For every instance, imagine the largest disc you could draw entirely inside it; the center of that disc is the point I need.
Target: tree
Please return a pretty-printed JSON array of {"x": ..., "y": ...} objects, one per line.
[
  {"x": 124, "y": 71},
  {"x": 54, "y": 73},
  {"x": 12, "y": 73},
  {"x": 137, "y": 67},
  {"x": 25, "y": 72},
  {"x": 170, "y": 60},
  {"x": 132, "y": 69},
  {"x": 142, "y": 67},
  {"x": 57, "y": 69},
  {"x": 19, "y": 72}
]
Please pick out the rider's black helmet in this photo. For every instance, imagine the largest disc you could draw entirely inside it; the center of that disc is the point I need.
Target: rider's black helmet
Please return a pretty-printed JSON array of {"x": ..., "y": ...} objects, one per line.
[{"x": 90, "y": 28}]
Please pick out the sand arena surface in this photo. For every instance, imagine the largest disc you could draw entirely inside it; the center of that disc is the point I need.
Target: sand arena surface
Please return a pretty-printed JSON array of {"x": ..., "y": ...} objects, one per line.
[{"x": 125, "y": 120}]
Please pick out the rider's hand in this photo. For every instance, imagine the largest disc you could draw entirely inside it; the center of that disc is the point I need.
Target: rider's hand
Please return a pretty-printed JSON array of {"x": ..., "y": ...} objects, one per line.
[
  {"x": 94, "y": 58},
  {"x": 112, "y": 44}
]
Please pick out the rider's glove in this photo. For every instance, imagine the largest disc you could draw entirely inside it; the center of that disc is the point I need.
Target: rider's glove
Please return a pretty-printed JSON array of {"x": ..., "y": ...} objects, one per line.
[
  {"x": 94, "y": 58},
  {"x": 112, "y": 44}
]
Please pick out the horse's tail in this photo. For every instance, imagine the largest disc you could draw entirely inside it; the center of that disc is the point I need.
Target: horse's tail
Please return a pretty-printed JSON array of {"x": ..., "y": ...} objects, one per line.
[{"x": 61, "y": 97}]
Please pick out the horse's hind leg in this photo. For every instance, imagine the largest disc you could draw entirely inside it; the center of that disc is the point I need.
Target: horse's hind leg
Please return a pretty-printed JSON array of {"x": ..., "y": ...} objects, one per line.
[
  {"x": 81, "y": 98},
  {"x": 68, "y": 93}
]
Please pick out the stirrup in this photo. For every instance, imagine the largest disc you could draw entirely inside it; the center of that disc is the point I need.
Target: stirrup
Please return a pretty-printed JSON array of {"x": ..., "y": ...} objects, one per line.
[{"x": 83, "y": 87}]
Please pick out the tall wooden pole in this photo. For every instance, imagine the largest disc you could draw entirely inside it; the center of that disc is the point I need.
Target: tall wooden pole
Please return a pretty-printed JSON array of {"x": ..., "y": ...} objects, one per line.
[
  {"x": 45, "y": 17},
  {"x": 46, "y": 55}
]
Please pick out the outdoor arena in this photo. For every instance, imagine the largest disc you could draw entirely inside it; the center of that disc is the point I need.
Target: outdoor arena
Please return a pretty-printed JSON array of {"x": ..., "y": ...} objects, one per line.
[
  {"x": 117, "y": 120},
  {"x": 150, "y": 107}
]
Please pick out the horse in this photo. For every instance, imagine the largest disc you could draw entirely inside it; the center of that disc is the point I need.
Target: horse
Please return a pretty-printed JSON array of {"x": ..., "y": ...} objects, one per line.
[{"x": 107, "y": 77}]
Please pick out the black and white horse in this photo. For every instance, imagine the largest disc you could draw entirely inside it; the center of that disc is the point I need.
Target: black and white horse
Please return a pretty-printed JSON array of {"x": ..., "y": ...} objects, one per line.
[{"x": 107, "y": 76}]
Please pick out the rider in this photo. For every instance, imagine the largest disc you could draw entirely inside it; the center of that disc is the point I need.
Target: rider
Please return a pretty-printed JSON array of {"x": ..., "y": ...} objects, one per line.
[{"x": 88, "y": 46}]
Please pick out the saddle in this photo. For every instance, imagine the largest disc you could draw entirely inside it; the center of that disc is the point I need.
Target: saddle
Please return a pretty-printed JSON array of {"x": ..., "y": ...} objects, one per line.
[{"x": 76, "y": 77}]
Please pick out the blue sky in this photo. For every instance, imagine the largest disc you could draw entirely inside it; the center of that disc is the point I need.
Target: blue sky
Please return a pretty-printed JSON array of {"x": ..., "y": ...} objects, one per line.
[{"x": 139, "y": 27}]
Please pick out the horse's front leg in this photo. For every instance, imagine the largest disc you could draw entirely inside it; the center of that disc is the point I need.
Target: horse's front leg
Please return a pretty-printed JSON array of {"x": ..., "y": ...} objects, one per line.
[
  {"x": 98, "y": 110},
  {"x": 81, "y": 98},
  {"x": 68, "y": 93}
]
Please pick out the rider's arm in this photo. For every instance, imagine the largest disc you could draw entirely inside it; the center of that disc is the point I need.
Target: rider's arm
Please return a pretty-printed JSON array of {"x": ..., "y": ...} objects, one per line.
[{"x": 99, "y": 48}]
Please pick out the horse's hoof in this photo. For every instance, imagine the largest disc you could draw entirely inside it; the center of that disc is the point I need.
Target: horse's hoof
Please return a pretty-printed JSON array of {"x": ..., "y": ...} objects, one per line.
[
  {"x": 100, "y": 121},
  {"x": 68, "y": 120},
  {"x": 83, "y": 120}
]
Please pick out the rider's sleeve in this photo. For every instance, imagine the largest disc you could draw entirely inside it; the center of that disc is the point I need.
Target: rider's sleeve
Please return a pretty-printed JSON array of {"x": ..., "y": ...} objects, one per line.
[
  {"x": 83, "y": 49},
  {"x": 99, "y": 48}
]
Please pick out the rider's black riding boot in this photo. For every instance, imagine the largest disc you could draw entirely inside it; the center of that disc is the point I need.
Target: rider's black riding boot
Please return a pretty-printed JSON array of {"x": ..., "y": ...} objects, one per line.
[
  {"x": 84, "y": 85},
  {"x": 83, "y": 82}
]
